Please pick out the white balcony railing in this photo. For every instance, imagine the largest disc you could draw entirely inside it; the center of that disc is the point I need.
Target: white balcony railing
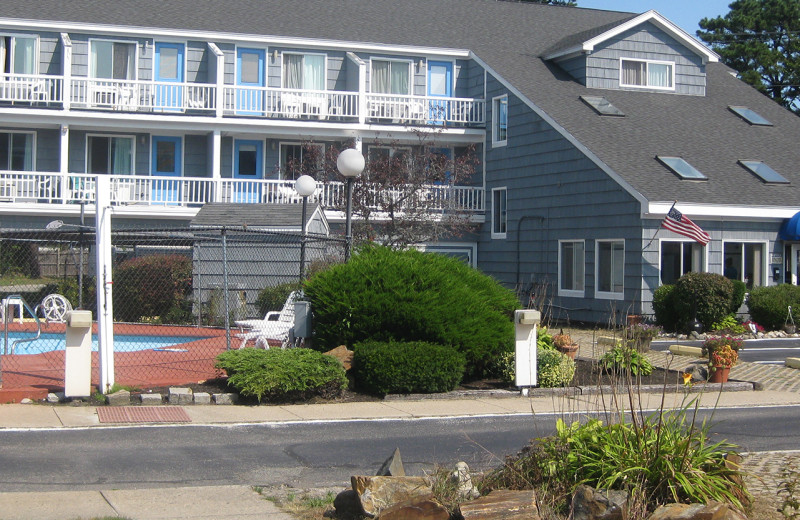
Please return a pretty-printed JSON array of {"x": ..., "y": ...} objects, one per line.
[
  {"x": 30, "y": 88},
  {"x": 425, "y": 109},
  {"x": 291, "y": 103},
  {"x": 134, "y": 96},
  {"x": 72, "y": 188}
]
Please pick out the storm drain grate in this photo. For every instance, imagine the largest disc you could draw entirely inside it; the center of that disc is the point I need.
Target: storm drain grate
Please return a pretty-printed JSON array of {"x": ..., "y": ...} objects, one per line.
[{"x": 142, "y": 414}]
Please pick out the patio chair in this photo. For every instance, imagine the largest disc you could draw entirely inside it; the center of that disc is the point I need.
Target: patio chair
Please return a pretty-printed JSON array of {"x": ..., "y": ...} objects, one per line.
[
  {"x": 285, "y": 315},
  {"x": 278, "y": 332}
]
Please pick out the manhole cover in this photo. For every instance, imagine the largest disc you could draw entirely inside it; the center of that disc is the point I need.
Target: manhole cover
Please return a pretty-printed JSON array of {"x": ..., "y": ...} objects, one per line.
[{"x": 142, "y": 414}]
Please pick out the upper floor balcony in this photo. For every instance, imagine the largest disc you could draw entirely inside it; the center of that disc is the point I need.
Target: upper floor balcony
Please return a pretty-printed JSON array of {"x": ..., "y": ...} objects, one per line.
[
  {"x": 214, "y": 100},
  {"x": 162, "y": 195}
]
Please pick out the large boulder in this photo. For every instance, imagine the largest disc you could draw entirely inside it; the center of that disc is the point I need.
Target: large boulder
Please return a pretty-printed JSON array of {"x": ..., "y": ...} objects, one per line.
[
  {"x": 710, "y": 511},
  {"x": 502, "y": 504},
  {"x": 598, "y": 504},
  {"x": 378, "y": 493},
  {"x": 417, "y": 510}
]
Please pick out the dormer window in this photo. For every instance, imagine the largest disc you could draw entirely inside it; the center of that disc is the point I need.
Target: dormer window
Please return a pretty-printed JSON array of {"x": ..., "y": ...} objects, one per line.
[{"x": 647, "y": 74}]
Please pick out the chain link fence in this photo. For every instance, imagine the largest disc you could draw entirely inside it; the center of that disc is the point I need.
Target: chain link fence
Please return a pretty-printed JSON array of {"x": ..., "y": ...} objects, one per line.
[{"x": 177, "y": 295}]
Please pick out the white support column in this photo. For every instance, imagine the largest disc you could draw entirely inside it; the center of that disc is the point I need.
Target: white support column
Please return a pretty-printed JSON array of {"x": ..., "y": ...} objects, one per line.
[
  {"x": 215, "y": 160},
  {"x": 63, "y": 162},
  {"x": 66, "y": 86},
  {"x": 105, "y": 310}
]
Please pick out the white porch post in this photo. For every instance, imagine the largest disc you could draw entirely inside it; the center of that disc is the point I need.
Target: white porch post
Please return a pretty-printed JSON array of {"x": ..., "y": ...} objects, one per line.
[
  {"x": 63, "y": 161},
  {"x": 105, "y": 310},
  {"x": 215, "y": 160},
  {"x": 66, "y": 85}
]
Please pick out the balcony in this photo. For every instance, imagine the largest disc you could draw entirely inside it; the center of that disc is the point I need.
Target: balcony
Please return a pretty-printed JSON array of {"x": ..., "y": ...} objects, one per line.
[{"x": 168, "y": 193}]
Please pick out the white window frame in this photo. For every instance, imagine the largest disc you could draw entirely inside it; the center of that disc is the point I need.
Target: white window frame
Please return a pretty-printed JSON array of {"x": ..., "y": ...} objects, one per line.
[
  {"x": 683, "y": 242},
  {"x": 470, "y": 248},
  {"x": 571, "y": 292},
  {"x": 410, "y": 65},
  {"x": 300, "y": 53},
  {"x": 765, "y": 274},
  {"x": 281, "y": 144},
  {"x": 133, "y": 152},
  {"x": 647, "y": 74},
  {"x": 496, "y": 141},
  {"x": 608, "y": 295},
  {"x": 36, "y": 57},
  {"x": 10, "y": 151},
  {"x": 93, "y": 73},
  {"x": 496, "y": 233}
]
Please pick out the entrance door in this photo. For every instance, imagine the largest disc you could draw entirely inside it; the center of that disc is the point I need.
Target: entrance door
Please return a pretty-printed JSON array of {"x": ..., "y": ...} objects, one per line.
[
  {"x": 250, "y": 76},
  {"x": 247, "y": 166},
  {"x": 795, "y": 262},
  {"x": 168, "y": 72},
  {"x": 440, "y": 84},
  {"x": 166, "y": 165}
]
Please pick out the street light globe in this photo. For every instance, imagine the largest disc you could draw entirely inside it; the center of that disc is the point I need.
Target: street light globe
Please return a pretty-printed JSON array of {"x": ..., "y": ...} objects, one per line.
[
  {"x": 350, "y": 163},
  {"x": 305, "y": 185}
]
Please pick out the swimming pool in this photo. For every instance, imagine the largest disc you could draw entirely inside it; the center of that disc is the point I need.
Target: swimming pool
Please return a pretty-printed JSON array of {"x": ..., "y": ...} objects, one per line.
[{"x": 48, "y": 342}]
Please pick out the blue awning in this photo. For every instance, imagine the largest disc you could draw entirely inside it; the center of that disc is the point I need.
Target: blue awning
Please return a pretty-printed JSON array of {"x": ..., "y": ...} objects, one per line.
[{"x": 790, "y": 230}]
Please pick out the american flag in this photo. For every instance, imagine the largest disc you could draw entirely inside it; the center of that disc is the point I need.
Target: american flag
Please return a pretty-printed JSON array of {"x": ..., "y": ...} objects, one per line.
[{"x": 677, "y": 222}]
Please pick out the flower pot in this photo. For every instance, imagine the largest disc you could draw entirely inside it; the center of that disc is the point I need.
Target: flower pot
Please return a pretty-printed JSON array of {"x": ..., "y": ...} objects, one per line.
[
  {"x": 789, "y": 329},
  {"x": 569, "y": 350},
  {"x": 719, "y": 374}
]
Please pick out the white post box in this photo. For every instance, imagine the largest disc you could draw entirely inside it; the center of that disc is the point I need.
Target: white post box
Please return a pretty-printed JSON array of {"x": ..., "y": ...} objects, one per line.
[
  {"x": 78, "y": 356},
  {"x": 525, "y": 322}
]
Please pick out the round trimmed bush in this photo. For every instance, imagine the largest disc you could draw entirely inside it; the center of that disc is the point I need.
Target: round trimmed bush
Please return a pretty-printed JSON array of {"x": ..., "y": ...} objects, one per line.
[
  {"x": 283, "y": 375},
  {"x": 739, "y": 291},
  {"x": 397, "y": 367},
  {"x": 389, "y": 295},
  {"x": 553, "y": 369},
  {"x": 708, "y": 295},
  {"x": 768, "y": 306}
]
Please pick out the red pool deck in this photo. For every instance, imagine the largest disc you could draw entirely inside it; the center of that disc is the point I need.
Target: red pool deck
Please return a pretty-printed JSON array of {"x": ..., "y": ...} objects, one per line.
[{"x": 34, "y": 375}]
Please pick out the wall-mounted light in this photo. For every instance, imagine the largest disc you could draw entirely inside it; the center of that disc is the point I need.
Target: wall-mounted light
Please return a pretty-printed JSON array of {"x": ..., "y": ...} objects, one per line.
[
  {"x": 421, "y": 64},
  {"x": 64, "y": 129},
  {"x": 145, "y": 45},
  {"x": 275, "y": 56}
]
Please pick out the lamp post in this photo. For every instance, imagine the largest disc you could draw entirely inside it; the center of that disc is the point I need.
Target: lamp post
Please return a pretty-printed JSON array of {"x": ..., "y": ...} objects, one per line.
[
  {"x": 305, "y": 185},
  {"x": 350, "y": 164}
]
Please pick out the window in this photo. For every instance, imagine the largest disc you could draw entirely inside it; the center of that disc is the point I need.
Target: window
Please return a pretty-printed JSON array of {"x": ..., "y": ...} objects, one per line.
[
  {"x": 610, "y": 269},
  {"x": 647, "y": 74},
  {"x": 749, "y": 115},
  {"x": 112, "y": 60},
  {"x": 298, "y": 159},
  {"x": 499, "y": 121},
  {"x": 499, "y": 213},
  {"x": 571, "y": 261},
  {"x": 18, "y": 54},
  {"x": 391, "y": 77},
  {"x": 602, "y": 106},
  {"x": 385, "y": 158},
  {"x": 16, "y": 151},
  {"x": 107, "y": 154},
  {"x": 304, "y": 71},
  {"x": 745, "y": 262},
  {"x": 764, "y": 172},
  {"x": 681, "y": 168},
  {"x": 679, "y": 258}
]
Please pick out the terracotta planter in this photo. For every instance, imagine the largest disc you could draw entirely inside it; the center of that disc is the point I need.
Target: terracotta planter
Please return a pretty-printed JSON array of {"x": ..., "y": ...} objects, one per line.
[
  {"x": 719, "y": 375},
  {"x": 569, "y": 350}
]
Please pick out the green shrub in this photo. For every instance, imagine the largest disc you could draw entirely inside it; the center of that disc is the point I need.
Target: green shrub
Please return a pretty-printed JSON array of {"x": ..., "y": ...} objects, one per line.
[
  {"x": 150, "y": 286},
  {"x": 272, "y": 298},
  {"x": 283, "y": 375},
  {"x": 664, "y": 306},
  {"x": 769, "y": 305},
  {"x": 709, "y": 295},
  {"x": 626, "y": 358},
  {"x": 383, "y": 294},
  {"x": 553, "y": 369},
  {"x": 544, "y": 340},
  {"x": 506, "y": 368},
  {"x": 406, "y": 367},
  {"x": 729, "y": 324},
  {"x": 739, "y": 291}
]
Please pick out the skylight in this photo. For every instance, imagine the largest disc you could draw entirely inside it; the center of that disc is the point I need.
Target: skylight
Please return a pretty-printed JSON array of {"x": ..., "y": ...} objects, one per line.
[
  {"x": 683, "y": 169},
  {"x": 602, "y": 106},
  {"x": 764, "y": 172},
  {"x": 749, "y": 115}
]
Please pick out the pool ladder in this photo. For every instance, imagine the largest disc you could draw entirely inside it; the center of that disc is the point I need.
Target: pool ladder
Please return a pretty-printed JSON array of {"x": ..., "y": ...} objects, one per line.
[{"x": 16, "y": 299}]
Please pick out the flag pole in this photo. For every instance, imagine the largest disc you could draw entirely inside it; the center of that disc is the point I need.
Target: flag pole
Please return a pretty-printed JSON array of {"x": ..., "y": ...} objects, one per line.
[{"x": 659, "y": 228}]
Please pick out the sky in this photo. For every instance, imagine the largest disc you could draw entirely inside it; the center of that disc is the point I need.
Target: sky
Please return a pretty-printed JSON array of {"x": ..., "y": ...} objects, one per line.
[{"x": 685, "y": 13}]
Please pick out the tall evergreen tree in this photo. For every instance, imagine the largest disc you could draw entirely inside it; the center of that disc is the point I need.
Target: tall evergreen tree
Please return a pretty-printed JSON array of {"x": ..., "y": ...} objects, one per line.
[{"x": 760, "y": 39}]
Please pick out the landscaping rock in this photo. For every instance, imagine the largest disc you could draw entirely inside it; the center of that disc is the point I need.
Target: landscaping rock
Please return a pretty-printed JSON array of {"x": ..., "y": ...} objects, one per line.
[
  {"x": 502, "y": 504},
  {"x": 393, "y": 466},
  {"x": 151, "y": 399},
  {"x": 710, "y": 511},
  {"x": 419, "y": 510},
  {"x": 378, "y": 493},
  {"x": 180, "y": 395},
  {"x": 119, "y": 398},
  {"x": 347, "y": 504},
  {"x": 699, "y": 373},
  {"x": 598, "y": 504},
  {"x": 202, "y": 398},
  {"x": 344, "y": 356},
  {"x": 53, "y": 398},
  {"x": 225, "y": 398},
  {"x": 463, "y": 481},
  {"x": 26, "y": 400}
]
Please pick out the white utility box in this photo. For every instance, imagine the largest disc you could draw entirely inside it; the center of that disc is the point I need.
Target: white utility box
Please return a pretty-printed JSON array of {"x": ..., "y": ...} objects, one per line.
[
  {"x": 525, "y": 323},
  {"x": 78, "y": 356}
]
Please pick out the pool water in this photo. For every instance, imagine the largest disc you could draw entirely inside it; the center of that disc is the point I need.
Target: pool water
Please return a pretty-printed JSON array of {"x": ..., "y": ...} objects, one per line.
[{"x": 48, "y": 342}]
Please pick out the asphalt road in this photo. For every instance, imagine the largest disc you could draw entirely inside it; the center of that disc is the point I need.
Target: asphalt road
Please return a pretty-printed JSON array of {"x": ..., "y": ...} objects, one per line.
[
  {"x": 768, "y": 351},
  {"x": 304, "y": 455}
]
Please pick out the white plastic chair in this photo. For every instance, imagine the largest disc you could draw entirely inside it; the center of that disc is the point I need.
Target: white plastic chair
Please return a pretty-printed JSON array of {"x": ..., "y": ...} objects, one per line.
[{"x": 8, "y": 302}]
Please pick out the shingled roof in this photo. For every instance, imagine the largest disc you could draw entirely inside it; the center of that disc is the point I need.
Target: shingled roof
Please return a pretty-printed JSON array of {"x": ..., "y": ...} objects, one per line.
[{"x": 511, "y": 38}]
